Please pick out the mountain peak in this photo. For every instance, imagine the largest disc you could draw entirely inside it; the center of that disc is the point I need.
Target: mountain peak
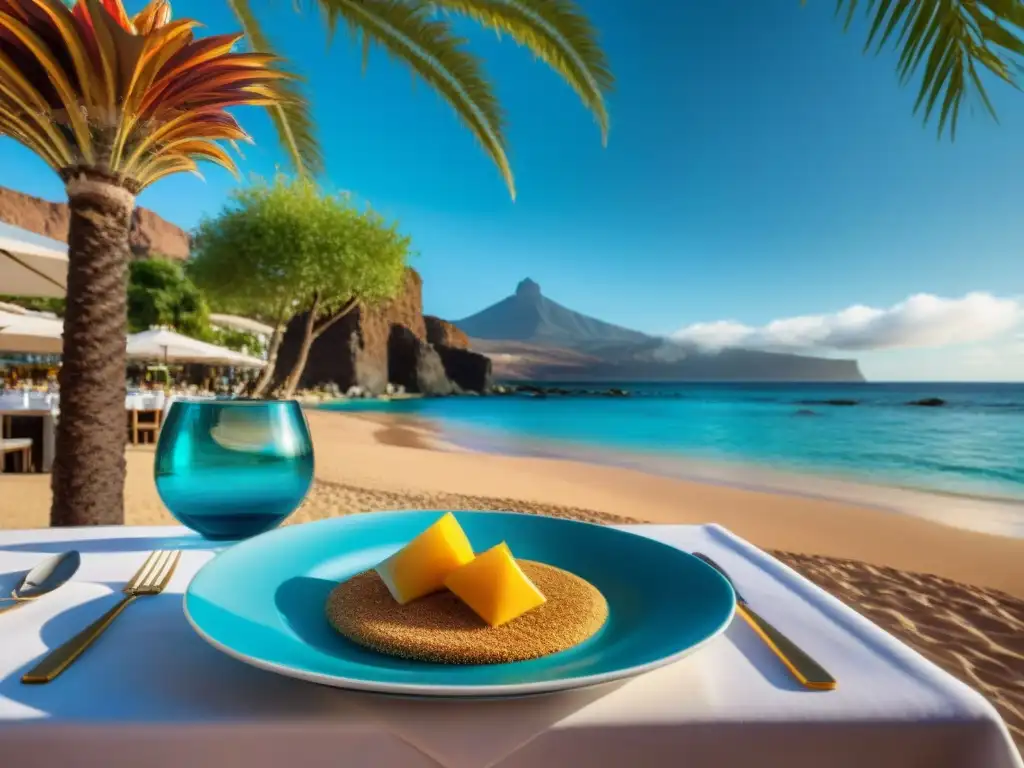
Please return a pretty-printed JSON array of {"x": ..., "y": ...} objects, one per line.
[
  {"x": 528, "y": 289},
  {"x": 528, "y": 315}
]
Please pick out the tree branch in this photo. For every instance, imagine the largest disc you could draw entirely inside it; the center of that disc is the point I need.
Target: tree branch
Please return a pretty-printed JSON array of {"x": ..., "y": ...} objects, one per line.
[
  {"x": 314, "y": 307},
  {"x": 347, "y": 309}
]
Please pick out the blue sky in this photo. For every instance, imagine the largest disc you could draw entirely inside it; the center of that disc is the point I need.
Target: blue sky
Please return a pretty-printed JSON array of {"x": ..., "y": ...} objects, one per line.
[{"x": 760, "y": 167}]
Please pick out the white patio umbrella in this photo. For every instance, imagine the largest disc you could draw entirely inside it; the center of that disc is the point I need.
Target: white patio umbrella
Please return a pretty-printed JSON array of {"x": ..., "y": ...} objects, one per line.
[
  {"x": 32, "y": 265},
  {"x": 238, "y": 323},
  {"x": 169, "y": 347},
  {"x": 31, "y": 334}
]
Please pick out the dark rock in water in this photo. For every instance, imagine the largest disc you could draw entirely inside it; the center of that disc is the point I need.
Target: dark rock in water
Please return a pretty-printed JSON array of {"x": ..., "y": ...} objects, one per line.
[
  {"x": 617, "y": 393},
  {"x": 415, "y": 364},
  {"x": 805, "y": 412},
  {"x": 929, "y": 402},
  {"x": 829, "y": 402},
  {"x": 469, "y": 370}
]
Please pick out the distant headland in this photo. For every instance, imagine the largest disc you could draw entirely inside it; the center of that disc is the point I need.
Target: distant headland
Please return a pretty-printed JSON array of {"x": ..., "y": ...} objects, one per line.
[{"x": 530, "y": 337}]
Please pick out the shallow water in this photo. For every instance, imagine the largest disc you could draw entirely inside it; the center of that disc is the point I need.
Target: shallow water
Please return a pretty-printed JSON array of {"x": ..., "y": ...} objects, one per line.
[{"x": 973, "y": 445}]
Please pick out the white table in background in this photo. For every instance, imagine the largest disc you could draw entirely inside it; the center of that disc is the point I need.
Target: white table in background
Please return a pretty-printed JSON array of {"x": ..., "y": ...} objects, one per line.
[
  {"x": 47, "y": 408},
  {"x": 34, "y": 405},
  {"x": 152, "y": 693}
]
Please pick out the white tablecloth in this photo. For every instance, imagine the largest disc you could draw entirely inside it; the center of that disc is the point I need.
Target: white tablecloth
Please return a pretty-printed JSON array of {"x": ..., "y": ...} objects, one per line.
[{"x": 151, "y": 693}]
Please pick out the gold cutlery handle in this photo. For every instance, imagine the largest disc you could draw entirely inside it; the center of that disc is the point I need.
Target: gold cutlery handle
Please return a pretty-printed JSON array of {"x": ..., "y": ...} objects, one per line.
[
  {"x": 60, "y": 658},
  {"x": 10, "y": 606},
  {"x": 805, "y": 669}
]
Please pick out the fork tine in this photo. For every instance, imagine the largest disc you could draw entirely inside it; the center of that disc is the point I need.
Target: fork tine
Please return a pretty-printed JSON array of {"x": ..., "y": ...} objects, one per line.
[
  {"x": 139, "y": 574},
  {"x": 173, "y": 563},
  {"x": 154, "y": 573}
]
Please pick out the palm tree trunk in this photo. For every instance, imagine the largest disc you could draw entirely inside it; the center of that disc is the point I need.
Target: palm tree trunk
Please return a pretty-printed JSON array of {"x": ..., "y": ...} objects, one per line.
[
  {"x": 292, "y": 382},
  {"x": 89, "y": 464},
  {"x": 267, "y": 374}
]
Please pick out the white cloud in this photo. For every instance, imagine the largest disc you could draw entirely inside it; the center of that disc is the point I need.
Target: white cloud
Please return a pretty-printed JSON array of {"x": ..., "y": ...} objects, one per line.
[{"x": 922, "y": 320}]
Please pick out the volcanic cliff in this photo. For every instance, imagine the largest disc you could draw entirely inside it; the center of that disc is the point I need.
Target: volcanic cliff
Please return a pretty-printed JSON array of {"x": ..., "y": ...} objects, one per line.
[
  {"x": 394, "y": 343},
  {"x": 151, "y": 235}
]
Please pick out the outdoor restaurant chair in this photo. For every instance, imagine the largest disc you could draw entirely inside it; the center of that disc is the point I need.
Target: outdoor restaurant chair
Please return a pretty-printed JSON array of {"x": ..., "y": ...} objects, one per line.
[{"x": 21, "y": 449}]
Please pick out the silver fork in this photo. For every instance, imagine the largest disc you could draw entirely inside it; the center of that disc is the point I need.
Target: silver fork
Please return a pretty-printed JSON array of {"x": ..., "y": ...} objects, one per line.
[{"x": 151, "y": 579}]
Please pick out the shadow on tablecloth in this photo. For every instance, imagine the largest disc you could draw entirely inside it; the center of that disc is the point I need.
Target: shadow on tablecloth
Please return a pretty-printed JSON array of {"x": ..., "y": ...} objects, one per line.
[
  {"x": 11, "y": 579},
  {"x": 117, "y": 544},
  {"x": 761, "y": 657},
  {"x": 151, "y": 667}
]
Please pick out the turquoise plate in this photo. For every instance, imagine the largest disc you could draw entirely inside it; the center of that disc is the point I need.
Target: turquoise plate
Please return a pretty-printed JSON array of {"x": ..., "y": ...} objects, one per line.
[{"x": 262, "y": 601}]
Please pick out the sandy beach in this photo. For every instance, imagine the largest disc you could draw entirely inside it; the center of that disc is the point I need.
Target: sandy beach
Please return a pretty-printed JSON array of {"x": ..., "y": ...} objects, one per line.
[{"x": 955, "y": 595}]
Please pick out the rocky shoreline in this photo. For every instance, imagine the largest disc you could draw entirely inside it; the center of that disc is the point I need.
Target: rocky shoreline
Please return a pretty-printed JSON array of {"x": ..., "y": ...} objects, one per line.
[
  {"x": 399, "y": 392},
  {"x": 391, "y": 391},
  {"x": 396, "y": 351}
]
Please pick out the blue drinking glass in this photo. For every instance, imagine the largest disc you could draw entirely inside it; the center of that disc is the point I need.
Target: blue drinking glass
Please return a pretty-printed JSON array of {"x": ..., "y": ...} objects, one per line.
[{"x": 231, "y": 469}]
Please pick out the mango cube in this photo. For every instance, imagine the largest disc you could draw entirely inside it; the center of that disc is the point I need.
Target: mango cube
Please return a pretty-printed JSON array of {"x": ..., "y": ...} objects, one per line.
[
  {"x": 422, "y": 565},
  {"x": 495, "y": 587}
]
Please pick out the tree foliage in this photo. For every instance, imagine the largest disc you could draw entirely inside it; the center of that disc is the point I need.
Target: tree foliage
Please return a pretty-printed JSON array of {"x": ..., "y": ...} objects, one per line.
[
  {"x": 952, "y": 44},
  {"x": 159, "y": 293},
  {"x": 276, "y": 246},
  {"x": 37, "y": 303},
  {"x": 88, "y": 87},
  {"x": 421, "y": 34},
  {"x": 284, "y": 248},
  {"x": 240, "y": 341}
]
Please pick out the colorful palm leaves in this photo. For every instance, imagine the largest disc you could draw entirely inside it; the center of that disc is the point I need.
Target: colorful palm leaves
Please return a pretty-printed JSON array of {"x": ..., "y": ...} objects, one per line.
[{"x": 136, "y": 98}]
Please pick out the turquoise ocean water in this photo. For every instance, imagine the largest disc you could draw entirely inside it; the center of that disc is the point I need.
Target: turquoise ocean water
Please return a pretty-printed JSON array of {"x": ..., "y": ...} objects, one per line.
[{"x": 973, "y": 445}]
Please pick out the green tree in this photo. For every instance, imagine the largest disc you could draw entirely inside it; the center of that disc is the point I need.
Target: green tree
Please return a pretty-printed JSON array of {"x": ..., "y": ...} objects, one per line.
[
  {"x": 36, "y": 303},
  {"x": 160, "y": 293},
  {"x": 287, "y": 249},
  {"x": 240, "y": 341}
]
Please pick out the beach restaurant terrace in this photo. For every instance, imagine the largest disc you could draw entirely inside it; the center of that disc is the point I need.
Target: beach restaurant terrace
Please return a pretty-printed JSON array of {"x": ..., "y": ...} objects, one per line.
[{"x": 28, "y": 416}]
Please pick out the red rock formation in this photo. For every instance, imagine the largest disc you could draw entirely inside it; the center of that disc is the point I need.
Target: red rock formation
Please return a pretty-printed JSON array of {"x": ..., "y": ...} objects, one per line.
[
  {"x": 354, "y": 351},
  {"x": 151, "y": 235},
  {"x": 442, "y": 332},
  {"x": 374, "y": 325}
]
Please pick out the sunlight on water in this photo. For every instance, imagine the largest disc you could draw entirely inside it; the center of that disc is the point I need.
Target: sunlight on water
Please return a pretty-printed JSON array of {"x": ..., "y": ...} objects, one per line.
[{"x": 974, "y": 444}]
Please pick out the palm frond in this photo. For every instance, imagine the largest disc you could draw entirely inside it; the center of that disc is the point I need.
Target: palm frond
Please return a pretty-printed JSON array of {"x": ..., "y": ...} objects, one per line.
[
  {"x": 950, "y": 42},
  {"x": 429, "y": 47},
  {"x": 558, "y": 33},
  {"x": 291, "y": 112},
  {"x": 61, "y": 68}
]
